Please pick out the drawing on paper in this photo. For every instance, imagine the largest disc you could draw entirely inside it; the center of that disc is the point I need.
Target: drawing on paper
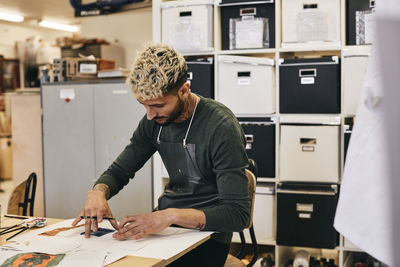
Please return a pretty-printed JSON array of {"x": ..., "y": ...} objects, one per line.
[
  {"x": 33, "y": 259},
  {"x": 100, "y": 232},
  {"x": 58, "y": 230}
]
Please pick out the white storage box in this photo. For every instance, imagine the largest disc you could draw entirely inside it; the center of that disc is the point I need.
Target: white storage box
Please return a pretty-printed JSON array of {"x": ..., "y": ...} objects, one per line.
[
  {"x": 187, "y": 25},
  {"x": 310, "y": 21},
  {"x": 309, "y": 153},
  {"x": 247, "y": 85},
  {"x": 354, "y": 66},
  {"x": 347, "y": 244},
  {"x": 263, "y": 215}
]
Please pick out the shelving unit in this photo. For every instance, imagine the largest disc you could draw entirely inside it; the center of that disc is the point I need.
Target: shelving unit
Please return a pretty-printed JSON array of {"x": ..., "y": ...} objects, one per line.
[{"x": 302, "y": 50}]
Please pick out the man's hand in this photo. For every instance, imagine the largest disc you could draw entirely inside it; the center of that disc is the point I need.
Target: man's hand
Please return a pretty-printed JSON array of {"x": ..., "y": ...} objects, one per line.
[
  {"x": 96, "y": 205},
  {"x": 140, "y": 226}
]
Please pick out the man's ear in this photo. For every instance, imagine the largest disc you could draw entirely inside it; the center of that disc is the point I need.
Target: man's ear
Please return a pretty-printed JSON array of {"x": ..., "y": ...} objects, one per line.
[{"x": 184, "y": 91}]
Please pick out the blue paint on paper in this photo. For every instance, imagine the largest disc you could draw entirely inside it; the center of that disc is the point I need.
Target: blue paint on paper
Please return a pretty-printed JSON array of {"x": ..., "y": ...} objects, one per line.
[{"x": 100, "y": 232}]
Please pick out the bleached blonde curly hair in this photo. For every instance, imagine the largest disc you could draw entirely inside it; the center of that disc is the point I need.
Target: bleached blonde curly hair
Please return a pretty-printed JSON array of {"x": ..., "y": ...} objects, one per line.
[{"x": 157, "y": 71}]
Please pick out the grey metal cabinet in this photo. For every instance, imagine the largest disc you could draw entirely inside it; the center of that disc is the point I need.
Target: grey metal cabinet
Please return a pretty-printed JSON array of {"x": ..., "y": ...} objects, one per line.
[{"x": 85, "y": 127}]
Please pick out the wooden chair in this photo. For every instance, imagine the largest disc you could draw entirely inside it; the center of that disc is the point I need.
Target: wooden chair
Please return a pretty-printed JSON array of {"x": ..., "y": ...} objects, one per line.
[
  {"x": 23, "y": 196},
  {"x": 233, "y": 261}
]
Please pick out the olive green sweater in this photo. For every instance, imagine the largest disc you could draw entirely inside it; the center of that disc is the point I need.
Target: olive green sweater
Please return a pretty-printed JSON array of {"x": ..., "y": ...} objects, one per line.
[{"x": 220, "y": 155}]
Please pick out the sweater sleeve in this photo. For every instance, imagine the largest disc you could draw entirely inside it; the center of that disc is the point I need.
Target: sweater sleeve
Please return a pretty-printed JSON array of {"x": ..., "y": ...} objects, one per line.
[
  {"x": 131, "y": 159},
  {"x": 229, "y": 161}
]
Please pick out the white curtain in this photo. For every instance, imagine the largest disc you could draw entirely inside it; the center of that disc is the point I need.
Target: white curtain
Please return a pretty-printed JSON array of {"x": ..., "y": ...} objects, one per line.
[{"x": 367, "y": 213}]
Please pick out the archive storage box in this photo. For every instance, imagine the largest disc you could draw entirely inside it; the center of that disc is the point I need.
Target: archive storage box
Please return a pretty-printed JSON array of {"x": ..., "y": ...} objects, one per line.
[
  {"x": 201, "y": 76},
  {"x": 247, "y": 24},
  {"x": 309, "y": 85},
  {"x": 310, "y": 21},
  {"x": 264, "y": 215},
  {"x": 359, "y": 22},
  {"x": 187, "y": 25},
  {"x": 247, "y": 85},
  {"x": 354, "y": 66},
  {"x": 305, "y": 214},
  {"x": 6, "y": 164},
  {"x": 260, "y": 144},
  {"x": 309, "y": 153}
]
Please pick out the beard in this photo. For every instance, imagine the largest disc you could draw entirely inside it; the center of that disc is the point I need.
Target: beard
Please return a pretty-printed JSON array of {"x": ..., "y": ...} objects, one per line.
[{"x": 174, "y": 114}]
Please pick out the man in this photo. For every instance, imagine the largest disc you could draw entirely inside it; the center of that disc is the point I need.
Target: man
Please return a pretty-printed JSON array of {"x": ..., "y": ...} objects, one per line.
[{"x": 202, "y": 146}]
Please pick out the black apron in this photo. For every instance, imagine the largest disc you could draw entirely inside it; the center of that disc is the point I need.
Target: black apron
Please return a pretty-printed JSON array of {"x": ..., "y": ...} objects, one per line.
[{"x": 187, "y": 188}]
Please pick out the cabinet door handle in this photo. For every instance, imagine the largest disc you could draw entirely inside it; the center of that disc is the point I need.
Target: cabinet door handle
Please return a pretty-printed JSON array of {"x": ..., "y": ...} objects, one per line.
[
  {"x": 243, "y": 74},
  {"x": 307, "y": 72},
  {"x": 310, "y": 6},
  {"x": 249, "y": 138},
  {"x": 305, "y": 207},
  {"x": 372, "y": 3},
  {"x": 308, "y": 141},
  {"x": 248, "y": 11},
  {"x": 185, "y": 14}
]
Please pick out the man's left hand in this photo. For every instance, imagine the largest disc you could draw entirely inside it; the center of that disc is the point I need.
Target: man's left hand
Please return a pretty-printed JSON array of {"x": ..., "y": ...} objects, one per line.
[{"x": 139, "y": 226}]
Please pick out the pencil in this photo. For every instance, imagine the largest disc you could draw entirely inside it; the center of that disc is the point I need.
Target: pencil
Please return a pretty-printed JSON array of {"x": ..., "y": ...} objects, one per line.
[
  {"x": 15, "y": 216},
  {"x": 95, "y": 217},
  {"x": 25, "y": 228}
]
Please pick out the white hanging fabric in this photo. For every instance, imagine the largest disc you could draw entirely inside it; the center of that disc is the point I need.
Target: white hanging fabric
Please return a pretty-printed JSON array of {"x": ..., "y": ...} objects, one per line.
[{"x": 366, "y": 211}]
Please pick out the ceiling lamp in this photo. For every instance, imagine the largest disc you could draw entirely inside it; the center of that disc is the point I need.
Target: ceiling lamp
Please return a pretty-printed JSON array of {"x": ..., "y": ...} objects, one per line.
[
  {"x": 11, "y": 17},
  {"x": 59, "y": 26}
]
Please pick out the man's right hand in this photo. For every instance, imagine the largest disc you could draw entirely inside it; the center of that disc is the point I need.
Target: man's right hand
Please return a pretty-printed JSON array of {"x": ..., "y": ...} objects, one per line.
[{"x": 96, "y": 205}]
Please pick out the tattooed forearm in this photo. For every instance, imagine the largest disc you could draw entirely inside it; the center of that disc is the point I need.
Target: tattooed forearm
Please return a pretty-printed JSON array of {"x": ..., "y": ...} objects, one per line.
[{"x": 104, "y": 188}]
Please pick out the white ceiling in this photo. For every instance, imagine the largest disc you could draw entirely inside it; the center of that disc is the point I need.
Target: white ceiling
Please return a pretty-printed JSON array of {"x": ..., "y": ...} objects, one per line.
[{"x": 56, "y": 10}]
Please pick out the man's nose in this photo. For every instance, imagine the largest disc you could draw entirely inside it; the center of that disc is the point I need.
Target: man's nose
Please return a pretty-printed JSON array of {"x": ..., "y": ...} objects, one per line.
[{"x": 150, "y": 113}]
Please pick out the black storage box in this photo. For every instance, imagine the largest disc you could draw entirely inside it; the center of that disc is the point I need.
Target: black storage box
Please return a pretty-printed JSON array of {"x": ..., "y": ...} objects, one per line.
[
  {"x": 305, "y": 215},
  {"x": 201, "y": 76},
  {"x": 352, "y": 6},
  {"x": 236, "y": 9},
  {"x": 347, "y": 135},
  {"x": 348, "y": 129},
  {"x": 260, "y": 144},
  {"x": 309, "y": 85}
]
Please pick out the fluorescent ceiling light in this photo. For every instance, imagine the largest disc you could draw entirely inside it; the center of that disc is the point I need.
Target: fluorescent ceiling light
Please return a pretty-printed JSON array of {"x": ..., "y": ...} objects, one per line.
[
  {"x": 58, "y": 26},
  {"x": 11, "y": 17}
]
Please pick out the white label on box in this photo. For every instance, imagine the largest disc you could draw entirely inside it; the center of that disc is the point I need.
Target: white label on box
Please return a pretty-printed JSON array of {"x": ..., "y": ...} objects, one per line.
[
  {"x": 307, "y": 148},
  {"x": 307, "y": 80},
  {"x": 67, "y": 93},
  {"x": 305, "y": 215},
  {"x": 87, "y": 68},
  {"x": 243, "y": 81}
]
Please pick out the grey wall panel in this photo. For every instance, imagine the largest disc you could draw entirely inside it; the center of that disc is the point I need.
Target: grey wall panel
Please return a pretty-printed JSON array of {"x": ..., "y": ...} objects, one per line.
[
  {"x": 117, "y": 113},
  {"x": 67, "y": 149}
]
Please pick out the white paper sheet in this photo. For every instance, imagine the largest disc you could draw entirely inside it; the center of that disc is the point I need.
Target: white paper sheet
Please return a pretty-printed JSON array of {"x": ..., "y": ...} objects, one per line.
[
  {"x": 83, "y": 258},
  {"x": 42, "y": 244},
  {"x": 163, "y": 245}
]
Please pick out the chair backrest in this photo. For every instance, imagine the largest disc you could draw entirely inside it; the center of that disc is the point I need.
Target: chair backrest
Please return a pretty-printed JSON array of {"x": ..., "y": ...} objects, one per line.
[
  {"x": 234, "y": 261},
  {"x": 22, "y": 196},
  {"x": 252, "y": 181}
]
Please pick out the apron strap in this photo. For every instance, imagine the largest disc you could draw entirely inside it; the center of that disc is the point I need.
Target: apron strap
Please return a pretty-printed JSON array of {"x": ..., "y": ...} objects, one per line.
[{"x": 187, "y": 131}]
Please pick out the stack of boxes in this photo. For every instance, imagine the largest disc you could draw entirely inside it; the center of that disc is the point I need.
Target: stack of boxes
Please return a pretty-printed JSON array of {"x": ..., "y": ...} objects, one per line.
[{"x": 286, "y": 71}]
